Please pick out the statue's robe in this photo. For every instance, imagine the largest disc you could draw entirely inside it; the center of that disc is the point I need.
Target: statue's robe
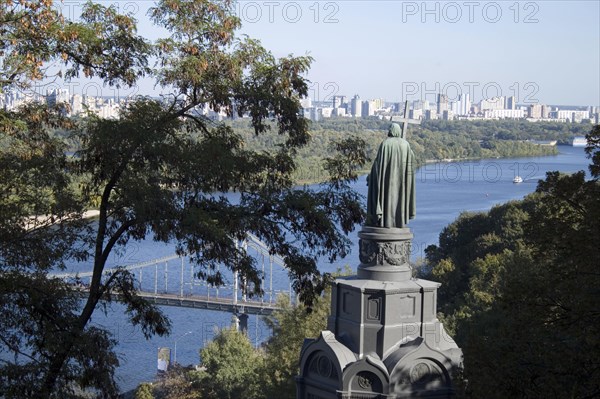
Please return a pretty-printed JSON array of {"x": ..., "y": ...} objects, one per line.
[{"x": 391, "y": 195}]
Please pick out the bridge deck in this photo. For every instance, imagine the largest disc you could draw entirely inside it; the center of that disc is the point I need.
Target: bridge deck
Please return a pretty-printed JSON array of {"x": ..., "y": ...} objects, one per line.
[
  {"x": 184, "y": 278},
  {"x": 210, "y": 303}
]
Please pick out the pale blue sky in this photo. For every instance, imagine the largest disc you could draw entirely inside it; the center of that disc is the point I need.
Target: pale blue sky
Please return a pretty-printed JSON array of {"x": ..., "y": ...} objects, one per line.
[
  {"x": 391, "y": 48},
  {"x": 542, "y": 51}
]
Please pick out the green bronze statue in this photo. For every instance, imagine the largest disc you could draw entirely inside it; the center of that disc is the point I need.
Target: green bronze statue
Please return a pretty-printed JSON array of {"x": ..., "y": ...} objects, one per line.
[{"x": 391, "y": 197}]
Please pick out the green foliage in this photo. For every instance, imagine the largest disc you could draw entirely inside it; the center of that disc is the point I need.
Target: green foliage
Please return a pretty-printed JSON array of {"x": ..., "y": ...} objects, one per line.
[
  {"x": 433, "y": 140},
  {"x": 155, "y": 171},
  {"x": 290, "y": 325},
  {"x": 520, "y": 290},
  {"x": 230, "y": 364},
  {"x": 36, "y": 314},
  {"x": 40, "y": 228},
  {"x": 351, "y": 155},
  {"x": 178, "y": 383},
  {"x": 36, "y": 192},
  {"x": 510, "y": 129},
  {"x": 103, "y": 43},
  {"x": 232, "y": 368},
  {"x": 593, "y": 150},
  {"x": 144, "y": 391}
]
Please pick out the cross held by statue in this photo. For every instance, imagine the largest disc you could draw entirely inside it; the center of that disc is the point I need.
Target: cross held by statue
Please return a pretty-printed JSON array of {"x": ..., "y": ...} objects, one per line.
[{"x": 405, "y": 120}]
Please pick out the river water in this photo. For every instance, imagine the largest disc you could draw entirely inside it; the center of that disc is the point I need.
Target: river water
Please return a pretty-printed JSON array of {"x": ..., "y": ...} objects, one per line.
[{"x": 444, "y": 190}]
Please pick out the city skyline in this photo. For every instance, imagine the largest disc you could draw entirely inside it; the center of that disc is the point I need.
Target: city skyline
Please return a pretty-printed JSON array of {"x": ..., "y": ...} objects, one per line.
[
  {"x": 540, "y": 52},
  {"x": 339, "y": 106}
]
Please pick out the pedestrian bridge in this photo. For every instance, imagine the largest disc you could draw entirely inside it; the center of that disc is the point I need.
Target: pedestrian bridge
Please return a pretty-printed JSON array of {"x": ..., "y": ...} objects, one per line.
[{"x": 172, "y": 281}]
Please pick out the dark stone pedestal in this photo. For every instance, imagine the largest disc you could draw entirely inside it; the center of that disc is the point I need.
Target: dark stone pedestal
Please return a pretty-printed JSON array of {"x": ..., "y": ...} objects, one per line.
[{"x": 383, "y": 338}]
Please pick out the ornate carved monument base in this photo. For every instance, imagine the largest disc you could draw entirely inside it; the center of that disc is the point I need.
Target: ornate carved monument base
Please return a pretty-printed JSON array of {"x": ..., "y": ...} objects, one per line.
[{"x": 383, "y": 338}]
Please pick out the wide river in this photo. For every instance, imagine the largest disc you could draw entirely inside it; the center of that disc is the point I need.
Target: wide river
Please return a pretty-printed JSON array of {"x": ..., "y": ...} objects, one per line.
[{"x": 444, "y": 190}]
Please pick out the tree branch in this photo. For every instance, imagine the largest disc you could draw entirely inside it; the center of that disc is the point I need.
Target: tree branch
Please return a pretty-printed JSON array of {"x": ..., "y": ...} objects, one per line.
[{"x": 115, "y": 237}]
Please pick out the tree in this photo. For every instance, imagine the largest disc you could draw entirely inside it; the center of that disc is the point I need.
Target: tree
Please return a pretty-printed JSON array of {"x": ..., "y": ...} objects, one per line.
[
  {"x": 593, "y": 150},
  {"x": 157, "y": 170},
  {"x": 178, "y": 383},
  {"x": 232, "y": 367},
  {"x": 524, "y": 283},
  {"x": 539, "y": 332},
  {"x": 144, "y": 391},
  {"x": 466, "y": 249},
  {"x": 291, "y": 326}
]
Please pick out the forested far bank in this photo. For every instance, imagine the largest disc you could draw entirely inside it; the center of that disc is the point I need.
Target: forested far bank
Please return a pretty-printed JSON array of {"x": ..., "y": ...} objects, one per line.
[
  {"x": 501, "y": 129},
  {"x": 430, "y": 141},
  {"x": 433, "y": 140}
]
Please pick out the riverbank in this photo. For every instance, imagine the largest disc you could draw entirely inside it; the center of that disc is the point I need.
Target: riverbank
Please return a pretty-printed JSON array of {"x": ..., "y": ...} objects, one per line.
[{"x": 321, "y": 176}]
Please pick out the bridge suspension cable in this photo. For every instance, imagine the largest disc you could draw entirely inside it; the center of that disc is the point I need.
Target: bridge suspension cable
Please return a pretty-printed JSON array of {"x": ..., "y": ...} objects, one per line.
[{"x": 183, "y": 288}]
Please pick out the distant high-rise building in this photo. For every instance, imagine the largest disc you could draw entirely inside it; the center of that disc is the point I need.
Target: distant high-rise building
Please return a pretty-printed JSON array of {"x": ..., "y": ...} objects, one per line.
[
  {"x": 110, "y": 110},
  {"x": 570, "y": 115},
  {"x": 545, "y": 111},
  {"x": 442, "y": 103},
  {"x": 379, "y": 103},
  {"x": 534, "y": 111},
  {"x": 368, "y": 108},
  {"x": 492, "y": 103},
  {"x": 315, "y": 114},
  {"x": 415, "y": 113},
  {"x": 339, "y": 111},
  {"x": 454, "y": 107},
  {"x": 338, "y": 101},
  {"x": 356, "y": 106},
  {"x": 57, "y": 96},
  {"x": 504, "y": 113},
  {"x": 595, "y": 115},
  {"x": 430, "y": 114},
  {"x": 464, "y": 104},
  {"x": 76, "y": 104},
  {"x": 325, "y": 112},
  {"x": 511, "y": 102},
  {"x": 89, "y": 102}
]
